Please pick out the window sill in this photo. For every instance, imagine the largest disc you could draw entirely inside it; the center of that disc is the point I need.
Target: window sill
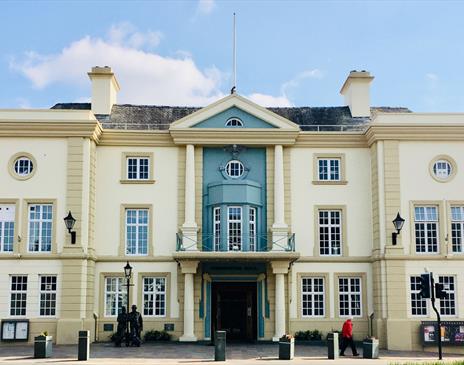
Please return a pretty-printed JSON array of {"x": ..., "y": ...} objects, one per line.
[
  {"x": 330, "y": 182},
  {"x": 137, "y": 181}
]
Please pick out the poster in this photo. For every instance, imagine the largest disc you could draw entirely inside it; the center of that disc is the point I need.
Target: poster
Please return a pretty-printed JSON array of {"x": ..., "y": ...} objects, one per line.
[
  {"x": 451, "y": 333},
  {"x": 21, "y": 330},
  {"x": 8, "y": 331}
]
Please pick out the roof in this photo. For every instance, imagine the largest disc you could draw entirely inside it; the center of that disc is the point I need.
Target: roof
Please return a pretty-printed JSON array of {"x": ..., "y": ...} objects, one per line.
[{"x": 154, "y": 117}]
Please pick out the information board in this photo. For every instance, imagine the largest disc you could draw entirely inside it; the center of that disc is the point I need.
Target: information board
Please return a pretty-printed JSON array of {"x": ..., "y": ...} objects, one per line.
[
  {"x": 452, "y": 333},
  {"x": 15, "y": 329}
]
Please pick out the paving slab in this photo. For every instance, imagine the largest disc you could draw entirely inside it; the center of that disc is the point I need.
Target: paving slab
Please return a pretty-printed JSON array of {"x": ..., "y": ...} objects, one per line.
[{"x": 177, "y": 353}]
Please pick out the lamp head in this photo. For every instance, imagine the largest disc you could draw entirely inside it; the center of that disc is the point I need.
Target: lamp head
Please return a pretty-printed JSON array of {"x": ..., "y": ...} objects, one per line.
[
  {"x": 398, "y": 222},
  {"x": 69, "y": 221},
  {"x": 128, "y": 271}
]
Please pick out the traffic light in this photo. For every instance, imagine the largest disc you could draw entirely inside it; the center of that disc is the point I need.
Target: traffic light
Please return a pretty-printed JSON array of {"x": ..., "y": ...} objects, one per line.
[
  {"x": 440, "y": 291},
  {"x": 424, "y": 286}
]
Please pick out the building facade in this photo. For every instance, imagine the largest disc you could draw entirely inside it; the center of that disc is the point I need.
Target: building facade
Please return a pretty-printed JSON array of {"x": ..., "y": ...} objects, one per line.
[{"x": 259, "y": 221}]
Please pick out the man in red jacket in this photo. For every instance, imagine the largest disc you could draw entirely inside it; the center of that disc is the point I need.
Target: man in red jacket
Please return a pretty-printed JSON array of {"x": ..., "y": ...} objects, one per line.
[{"x": 347, "y": 338}]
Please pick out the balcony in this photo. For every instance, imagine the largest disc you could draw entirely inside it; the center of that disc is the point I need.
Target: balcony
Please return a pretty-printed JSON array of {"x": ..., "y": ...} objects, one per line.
[{"x": 260, "y": 247}]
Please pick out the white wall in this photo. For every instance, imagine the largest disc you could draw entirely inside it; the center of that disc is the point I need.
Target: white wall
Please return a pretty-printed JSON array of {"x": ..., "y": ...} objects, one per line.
[
  {"x": 111, "y": 194},
  {"x": 356, "y": 195}
]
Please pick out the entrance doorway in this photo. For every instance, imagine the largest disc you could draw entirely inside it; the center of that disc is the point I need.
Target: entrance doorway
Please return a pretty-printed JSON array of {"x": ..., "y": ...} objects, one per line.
[{"x": 234, "y": 310}]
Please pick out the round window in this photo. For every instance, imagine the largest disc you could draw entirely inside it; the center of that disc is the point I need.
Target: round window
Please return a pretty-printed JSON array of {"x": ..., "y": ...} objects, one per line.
[
  {"x": 23, "y": 166},
  {"x": 442, "y": 169},
  {"x": 235, "y": 169}
]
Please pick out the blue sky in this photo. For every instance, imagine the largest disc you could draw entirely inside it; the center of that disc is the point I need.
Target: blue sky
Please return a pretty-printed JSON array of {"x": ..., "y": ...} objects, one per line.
[{"x": 179, "y": 52}]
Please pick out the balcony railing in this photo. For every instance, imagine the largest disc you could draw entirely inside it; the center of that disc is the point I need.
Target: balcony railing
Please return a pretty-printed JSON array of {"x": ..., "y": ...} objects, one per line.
[{"x": 258, "y": 243}]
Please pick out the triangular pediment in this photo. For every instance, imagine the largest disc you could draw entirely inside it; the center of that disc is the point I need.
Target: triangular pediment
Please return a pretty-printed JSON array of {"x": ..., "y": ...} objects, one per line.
[{"x": 214, "y": 116}]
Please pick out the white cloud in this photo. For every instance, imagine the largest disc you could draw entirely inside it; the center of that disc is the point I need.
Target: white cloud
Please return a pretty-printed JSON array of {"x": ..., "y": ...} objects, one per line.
[
  {"x": 298, "y": 79},
  {"x": 145, "y": 76},
  {"x": 205, "y": 6},
  {"x": 432, "y": 77},
  {"x": 269, "y": 100}
]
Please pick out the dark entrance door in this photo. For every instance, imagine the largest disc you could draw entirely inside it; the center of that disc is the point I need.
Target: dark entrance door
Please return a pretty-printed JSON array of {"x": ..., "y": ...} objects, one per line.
[{"x": 234, "y": 310}]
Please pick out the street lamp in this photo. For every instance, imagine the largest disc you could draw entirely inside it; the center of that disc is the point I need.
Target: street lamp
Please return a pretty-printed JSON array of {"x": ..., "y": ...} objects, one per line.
[
  {"x": 69, "y": 222},
  {"x": 398, "y": 223},
  {"x": 128, "y": 275}
]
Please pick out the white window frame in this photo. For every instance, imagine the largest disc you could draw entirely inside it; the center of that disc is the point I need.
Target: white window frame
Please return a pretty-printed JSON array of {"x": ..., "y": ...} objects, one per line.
[
  {"x": 156, "y": 295},
  {"x": 333, "y": 229},
  {"x": 426, "y": 222},
  {"x": 448, "y": 303},
  {"x": 20, "y": 292},
  {"x": 350, "y": 293},
  {"x": 234, "y": 225},
  {"x": 415, "y": 298},
  {"x": 240, "y": 168},
  {"x": 252, "y": 214},
  {"x": 234, "y": 122},
  {"x": 120, "y": 295},
  {"x": 24, "y": 163},
  {"x": 49, "y": 295},
  {"x": 442, "y": 169},
  {"x": 217, "y": 228},
  {"x": 457, "y": 229},
  {"x": 141, "y": 243},
  {"x": 7, "y": 223},
  {"x": 311, "y": 296},
  {"x": 332, "y": 173},
  {"x": 138, "y": 168},
  {"x": 41, "y": 225}
]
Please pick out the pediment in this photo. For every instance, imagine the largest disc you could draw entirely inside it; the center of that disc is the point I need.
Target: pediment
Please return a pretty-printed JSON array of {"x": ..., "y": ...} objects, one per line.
[{"x": 254, "y": 117}]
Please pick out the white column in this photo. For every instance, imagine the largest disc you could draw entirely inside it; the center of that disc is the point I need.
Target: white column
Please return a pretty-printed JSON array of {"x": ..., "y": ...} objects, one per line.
[
  {"x": 279, "y": 268},
  {"x": 189, "y": 269},
  {"x": 189, "y": 228},
  {"x": 279, "y": 227}
]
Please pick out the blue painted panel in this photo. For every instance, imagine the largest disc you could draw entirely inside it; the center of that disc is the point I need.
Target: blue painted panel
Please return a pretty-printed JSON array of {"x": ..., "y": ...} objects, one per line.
[
  {"x": 208, "y": 310},
  {"x": 220, "y": 191},
  {"x": 220, "y": 119}
]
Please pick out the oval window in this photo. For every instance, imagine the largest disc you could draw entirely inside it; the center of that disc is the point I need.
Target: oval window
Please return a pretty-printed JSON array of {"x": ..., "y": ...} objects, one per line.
[
  {"x": 23, "y": 166},
  {"x": 235, "y": 169},
  {"x": 442, "y": 169}
]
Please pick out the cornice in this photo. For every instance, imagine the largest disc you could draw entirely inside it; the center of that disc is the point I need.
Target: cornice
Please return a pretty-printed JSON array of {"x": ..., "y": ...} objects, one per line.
[
  {"x": 56, "y": 128},
  {"x": 248, "y": 136},
  {"x": 414, "y": 132},
  {"x": 114, "y": 137},
  {"x": 331, "y": 139}
]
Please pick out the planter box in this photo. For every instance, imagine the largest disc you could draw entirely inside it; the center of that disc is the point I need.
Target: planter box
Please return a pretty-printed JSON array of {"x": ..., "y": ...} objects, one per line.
[
  {"x": 371, "y": 348},
  {"x": 43, "y": 347},
  {"x": 287, "y": 349}
]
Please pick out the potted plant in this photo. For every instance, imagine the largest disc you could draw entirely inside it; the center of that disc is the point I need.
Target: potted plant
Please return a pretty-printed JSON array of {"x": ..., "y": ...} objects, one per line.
[
  {"x": 43, "y": 345},
  {"x": 286, "y": 347},
  {"x": 370, "y": 348}
]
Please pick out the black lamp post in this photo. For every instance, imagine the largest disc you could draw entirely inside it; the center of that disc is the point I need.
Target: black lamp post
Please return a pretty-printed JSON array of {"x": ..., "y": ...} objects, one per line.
[
  {"x": 69, "y": 221},
  {"x": 398, "y": 223},
  {"x": 128, "y": 275}
]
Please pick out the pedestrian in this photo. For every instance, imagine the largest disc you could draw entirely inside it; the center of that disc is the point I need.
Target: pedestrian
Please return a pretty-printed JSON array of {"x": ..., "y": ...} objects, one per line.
[
  {"x": 347, "y": 337},
  {"x": 135, "y": 325}
]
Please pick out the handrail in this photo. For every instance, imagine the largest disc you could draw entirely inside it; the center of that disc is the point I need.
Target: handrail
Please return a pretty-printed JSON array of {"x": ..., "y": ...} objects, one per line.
[{"x": 206, "y": 243}]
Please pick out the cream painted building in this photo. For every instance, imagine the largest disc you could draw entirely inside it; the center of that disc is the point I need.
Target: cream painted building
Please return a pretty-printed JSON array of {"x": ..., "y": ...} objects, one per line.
[{"x": 259, "y": 221}]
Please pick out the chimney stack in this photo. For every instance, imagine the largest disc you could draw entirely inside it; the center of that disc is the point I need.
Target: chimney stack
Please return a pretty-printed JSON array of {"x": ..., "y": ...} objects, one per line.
[
  {"x": 105, "y": 88},
  {"x": 355, "y": 91}
]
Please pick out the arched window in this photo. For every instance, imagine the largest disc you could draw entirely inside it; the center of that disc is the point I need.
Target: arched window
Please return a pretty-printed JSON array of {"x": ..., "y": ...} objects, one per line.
[{"x": 234, "y": 122}]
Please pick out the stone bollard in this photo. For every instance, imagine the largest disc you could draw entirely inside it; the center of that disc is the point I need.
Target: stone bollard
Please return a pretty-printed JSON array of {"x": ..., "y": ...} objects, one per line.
[
  {"x": 332, "y": 346},
  {"x": 83, "y": 349},
  {"x": 220, "y": 346}
]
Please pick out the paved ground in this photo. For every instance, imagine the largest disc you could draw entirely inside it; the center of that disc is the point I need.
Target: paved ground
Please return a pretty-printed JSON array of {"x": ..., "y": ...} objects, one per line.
[{"x": 174, "y": 353}]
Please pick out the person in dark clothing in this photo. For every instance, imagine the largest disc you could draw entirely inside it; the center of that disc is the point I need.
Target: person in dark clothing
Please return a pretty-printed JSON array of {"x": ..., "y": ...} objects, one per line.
[
  {"x": 135, "y": 326},
  {"x": 122, "y": 326},
  {"x": 347, "y": 338}
]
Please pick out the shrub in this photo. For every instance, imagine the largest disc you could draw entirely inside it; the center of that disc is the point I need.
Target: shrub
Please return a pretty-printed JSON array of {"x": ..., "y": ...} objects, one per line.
[
  {"x": 308, "y": 335},
  {"x": 155, "y": 335}
]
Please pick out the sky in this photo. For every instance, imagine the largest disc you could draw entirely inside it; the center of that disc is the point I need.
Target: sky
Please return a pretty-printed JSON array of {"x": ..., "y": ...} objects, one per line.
[{"x": 289, "y": 53}]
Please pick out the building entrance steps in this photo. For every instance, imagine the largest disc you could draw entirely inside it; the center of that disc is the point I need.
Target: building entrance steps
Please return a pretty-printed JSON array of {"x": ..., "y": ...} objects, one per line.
[{"x": 183, "y": 353}]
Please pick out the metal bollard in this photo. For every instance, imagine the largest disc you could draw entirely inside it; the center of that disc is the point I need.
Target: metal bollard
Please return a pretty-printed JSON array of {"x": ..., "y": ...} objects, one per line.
[
  {"x": 220, "y": 346},
  {"x": 332, "y": 346},
  {"x": 83, "y": 349}
]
